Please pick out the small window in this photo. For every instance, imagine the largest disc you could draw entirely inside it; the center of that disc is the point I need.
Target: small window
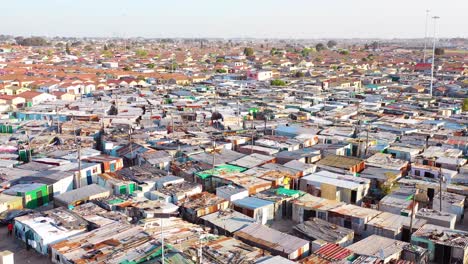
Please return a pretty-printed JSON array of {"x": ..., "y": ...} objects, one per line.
[{"x": 417, "y": 173}]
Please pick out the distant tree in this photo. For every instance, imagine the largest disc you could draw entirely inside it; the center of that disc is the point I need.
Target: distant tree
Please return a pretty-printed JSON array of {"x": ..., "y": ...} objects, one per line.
[
  {"x": 262, "y": 46},
  {"x": 127, "y": 68},
  {"x": 465, "y": 105},
  {"x": 76, "y": 44},
  {"x": 318, "y": 59},
  {"x": 111, "y": 46},
  {"x": 105, "y": 47},
  {"x": 150, "y": 65},
  {"x": 107, "y": 54},
  {"x": 88, "y": 48},
  {"x": 220, "y": 60},
  {"x": 32, "y": 41},
  {"x": 439, "y": 51},
  {"x": 67, "y": 49},
  {"x": 173, "y": 66},
  {"x": 306, "y": 52},
  {"x": 273, "y": 51},
  {"x": 59, "y": 45},
  {"x": 248, "y": 52},
  {"x": 319, "y": 47},
  {"x": 277, "y": 82},
  {"x": 374, "y": 45},
  {"x": 50, "y": 53},
  {"x": 141, "y": 53},
  {"x": 299, "y": 74},
  {"x": 344, "y": 52},
  {"x": 221, "y": 70},
  {"x": 331, "y": 44}
]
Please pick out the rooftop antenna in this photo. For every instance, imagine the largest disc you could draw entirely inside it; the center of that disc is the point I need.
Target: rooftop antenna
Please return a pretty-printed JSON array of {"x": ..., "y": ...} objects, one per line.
[
  {"x": 433, "y": 52},
  {"x": 425, "y": 35}
]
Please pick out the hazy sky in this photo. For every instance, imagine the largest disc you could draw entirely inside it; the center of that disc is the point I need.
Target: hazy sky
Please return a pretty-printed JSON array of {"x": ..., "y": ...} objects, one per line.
[{"x": 232, "y": 18}]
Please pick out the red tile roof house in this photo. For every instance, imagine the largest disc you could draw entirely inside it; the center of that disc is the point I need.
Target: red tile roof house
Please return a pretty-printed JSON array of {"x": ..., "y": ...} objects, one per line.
[
  {"x": 13, "y": 101},
  {"x": 34, "y": 98}
]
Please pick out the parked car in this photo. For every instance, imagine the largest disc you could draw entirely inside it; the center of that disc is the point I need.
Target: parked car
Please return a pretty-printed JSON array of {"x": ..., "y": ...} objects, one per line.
[{"x": 9, "y": 215}]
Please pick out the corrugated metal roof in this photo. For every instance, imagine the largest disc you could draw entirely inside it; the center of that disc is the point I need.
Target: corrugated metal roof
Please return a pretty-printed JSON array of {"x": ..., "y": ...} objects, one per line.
[
  {"x": 229, "y": 220},
  {"x": 270, "y": 238},
  {"x": 252, "y": 203}
]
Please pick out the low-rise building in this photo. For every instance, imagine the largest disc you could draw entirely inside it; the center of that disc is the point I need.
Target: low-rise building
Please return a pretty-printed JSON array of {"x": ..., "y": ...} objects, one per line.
[
  {"x": 445, "y": 245},
  {"x": 40, "y": 230},
  {"x": 437, "y": 218},
  {"x": 276, "y": 242},
  {"x": 340, "y": 164},
  {"x": 318, "y": 229},
  {"x": 260, "y": 210},
  {"x": 335, "y": 186}
]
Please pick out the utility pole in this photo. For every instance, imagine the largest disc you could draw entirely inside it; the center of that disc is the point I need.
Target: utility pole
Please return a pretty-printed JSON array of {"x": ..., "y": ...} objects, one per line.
[
  {"x": 433, "y": 52},
  {"x": 238, "y": 114},
  {"x": 367, "y": 140},
  {"x": 201, "y": 250},
  {"x": 251, "y": 146},
  {"x": 29, "y": 147},
  {"x": 131, "y": 144},
  {"x": 58, "y": 119},
  {"x": 172, "y": 123},
  {"x": 358, "y": 131},
  {"x": 214, "y": 157},
  {"x": 162, "y": 242},
  {"x": 78, "y": 181},
  {"x": 73, "y": 127},
  {"x": 440, "y": 188},
  {"x": 412, "y": 210},
  {"x": 425, "y": 37}
]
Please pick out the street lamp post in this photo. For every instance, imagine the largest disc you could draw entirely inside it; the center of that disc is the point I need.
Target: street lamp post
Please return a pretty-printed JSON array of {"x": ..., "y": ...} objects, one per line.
[
  {"x": 433, "y": 52},
  {"x": 425, "y": 37}
]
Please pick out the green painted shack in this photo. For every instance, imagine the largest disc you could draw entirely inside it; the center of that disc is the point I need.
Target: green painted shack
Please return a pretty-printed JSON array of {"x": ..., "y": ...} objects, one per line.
[{"x": 34, "y": 194}]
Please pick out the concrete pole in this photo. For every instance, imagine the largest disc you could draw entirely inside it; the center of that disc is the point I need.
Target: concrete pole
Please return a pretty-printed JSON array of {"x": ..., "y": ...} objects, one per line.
[{"x": 433, "y": 52}]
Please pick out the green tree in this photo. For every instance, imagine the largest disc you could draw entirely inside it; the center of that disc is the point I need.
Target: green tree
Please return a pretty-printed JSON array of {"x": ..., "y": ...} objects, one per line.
[
  {"x": 141, "y": 53},
  {"x": 306, "y": 52},
  {"x": 32, "y": 41},
  {"x": 344, "y": 52},
  {"x": 439, "y": 51},
  {"x": 277, "y": 82},
  {"x": 67, "y": 49},
  {"x": 319, "y": 47},
  {"x": 465, "y": 105},
  {"x": 88, "y": 48},
  {"x": 107, "y": 54},
  {"x": 331, "y": 44},
  {"x": 220, "y": 60},
  {"x": 248, "y": 51},
  {"x": 127, "y": 68},
  {"x": 299, "y": 74},
  {"x": 221, "y": 70},
  {"x": 172, "y": 66},
  {"x": 273, "y": 51},
  {"x": 105, "y": 47},
  {"x": 150, "y": 65}
]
